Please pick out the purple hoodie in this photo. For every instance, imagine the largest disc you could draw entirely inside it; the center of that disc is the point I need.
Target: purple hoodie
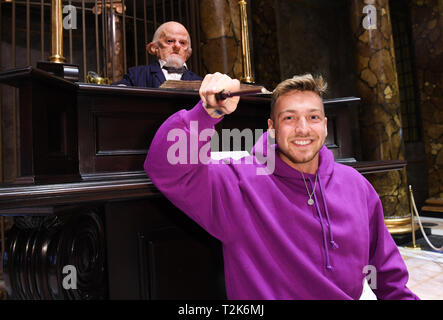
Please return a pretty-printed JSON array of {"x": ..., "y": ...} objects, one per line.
[{"x": 276, "y": 246}]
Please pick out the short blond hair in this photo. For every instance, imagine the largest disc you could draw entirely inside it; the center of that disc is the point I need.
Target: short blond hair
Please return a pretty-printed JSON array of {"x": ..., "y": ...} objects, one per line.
[{"x": 305, "y": 82}]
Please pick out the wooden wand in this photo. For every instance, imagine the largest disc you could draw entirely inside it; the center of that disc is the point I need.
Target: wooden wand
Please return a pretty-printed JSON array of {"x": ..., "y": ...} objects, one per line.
[{"x": 222, "y": 95}]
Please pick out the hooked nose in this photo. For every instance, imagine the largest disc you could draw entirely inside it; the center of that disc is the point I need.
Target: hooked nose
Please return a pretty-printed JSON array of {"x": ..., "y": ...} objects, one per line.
[{"x": 176, "y": 45}]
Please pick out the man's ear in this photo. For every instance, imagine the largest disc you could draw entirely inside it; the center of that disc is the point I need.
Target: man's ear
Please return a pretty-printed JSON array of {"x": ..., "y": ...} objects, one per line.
[
  {"x": 326, "y": 126},
  {"x": 152, "y": 48},
  {"x": 189, "y": 52},
  {"x": 271, "y": 129}
]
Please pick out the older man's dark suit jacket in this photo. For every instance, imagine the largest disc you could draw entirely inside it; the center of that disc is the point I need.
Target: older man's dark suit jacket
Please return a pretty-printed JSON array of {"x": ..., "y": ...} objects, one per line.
[{"x": 150, "y": 76}]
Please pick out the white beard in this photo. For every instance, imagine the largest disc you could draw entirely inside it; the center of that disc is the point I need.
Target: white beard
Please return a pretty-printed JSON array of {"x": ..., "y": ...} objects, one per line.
[{"x": 174, "y": 61}]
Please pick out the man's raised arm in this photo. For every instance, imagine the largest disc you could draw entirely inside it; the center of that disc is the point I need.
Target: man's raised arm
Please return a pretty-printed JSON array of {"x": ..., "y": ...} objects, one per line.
[{"x": 178, "y": 160}]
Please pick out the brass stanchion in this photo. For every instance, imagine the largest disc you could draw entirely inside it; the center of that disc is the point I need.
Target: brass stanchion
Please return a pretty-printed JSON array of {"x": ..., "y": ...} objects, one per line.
[
  {"x": 411, "y": 208},
  {"x": 246, "y": 54}
]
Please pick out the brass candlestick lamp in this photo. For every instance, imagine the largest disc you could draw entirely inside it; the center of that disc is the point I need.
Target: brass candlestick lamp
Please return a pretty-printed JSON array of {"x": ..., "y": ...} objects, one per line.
[{"x": 246, "y": 54}]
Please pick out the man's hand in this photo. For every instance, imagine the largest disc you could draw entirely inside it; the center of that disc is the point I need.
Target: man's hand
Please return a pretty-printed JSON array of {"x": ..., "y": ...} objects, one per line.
[{"x": 214, "y": 83}]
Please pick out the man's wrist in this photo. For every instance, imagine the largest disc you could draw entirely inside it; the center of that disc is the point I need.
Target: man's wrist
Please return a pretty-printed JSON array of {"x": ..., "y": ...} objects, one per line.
[{"x": 212, "y": 111}]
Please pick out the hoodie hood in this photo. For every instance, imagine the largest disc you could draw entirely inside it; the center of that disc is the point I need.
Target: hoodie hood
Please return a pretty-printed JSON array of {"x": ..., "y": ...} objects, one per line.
[
  {"x": 311, "y": 181},
  {"x": 264, "y": 145}
]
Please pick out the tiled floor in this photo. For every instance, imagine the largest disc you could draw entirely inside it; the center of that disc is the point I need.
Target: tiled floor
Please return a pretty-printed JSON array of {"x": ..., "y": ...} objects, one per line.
[
  {"x": 425, "y": 273},
  {"x": 426, "y": 267}
]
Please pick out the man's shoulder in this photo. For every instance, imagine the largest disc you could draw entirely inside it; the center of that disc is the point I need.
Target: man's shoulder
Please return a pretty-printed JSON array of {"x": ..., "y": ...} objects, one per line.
[
  {"x": 348, "y": 172},
  {"x": 144, "y": 68},
  {"x": 351, "y": 177},
  {"x": 189, "y": 75},
  {"x": 193, "y": 73}
]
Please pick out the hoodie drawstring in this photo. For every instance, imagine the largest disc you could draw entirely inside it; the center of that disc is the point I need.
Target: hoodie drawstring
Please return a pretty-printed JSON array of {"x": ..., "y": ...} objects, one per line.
[
  {"x": 325, "y": 246},
  {"x": 331, "y": 241}
]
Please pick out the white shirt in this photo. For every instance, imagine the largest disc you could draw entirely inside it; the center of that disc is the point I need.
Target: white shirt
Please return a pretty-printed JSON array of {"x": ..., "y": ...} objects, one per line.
[{"x": 170, "y": 76}]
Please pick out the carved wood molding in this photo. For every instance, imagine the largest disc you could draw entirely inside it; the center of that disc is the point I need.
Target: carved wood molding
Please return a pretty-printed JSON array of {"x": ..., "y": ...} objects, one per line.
[{"x": 37, "y": 254}]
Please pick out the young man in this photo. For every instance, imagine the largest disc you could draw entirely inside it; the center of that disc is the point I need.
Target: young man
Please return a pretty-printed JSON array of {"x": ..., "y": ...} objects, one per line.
[
  {"x": 310, "y": 229},
  {"x": 171, "y": 45}
]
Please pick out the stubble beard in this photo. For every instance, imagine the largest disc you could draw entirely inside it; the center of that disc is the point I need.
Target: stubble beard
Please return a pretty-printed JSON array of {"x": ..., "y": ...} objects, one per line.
[{"x": 300, "y": 160}]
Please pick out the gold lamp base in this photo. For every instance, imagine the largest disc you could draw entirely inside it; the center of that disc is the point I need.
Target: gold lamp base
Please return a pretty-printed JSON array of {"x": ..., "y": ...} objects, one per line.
[
  {"x": 403, "y": 225},
  {"x": 247, "y": 80},
  {"x": 399, "y": 225},
  {"x": 57, "y": 58}
]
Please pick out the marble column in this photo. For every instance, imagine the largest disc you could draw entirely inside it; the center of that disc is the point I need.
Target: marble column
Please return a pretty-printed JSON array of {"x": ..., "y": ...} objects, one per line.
[
  {"x": 221, "y": 37},
  {"x": 377, "y": 86},
  {"x": 427, "y": 37}
]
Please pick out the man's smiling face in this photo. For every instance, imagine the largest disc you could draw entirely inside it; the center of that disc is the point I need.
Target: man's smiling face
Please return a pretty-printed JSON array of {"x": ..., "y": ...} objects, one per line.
[{"x": 300, "y": 129}]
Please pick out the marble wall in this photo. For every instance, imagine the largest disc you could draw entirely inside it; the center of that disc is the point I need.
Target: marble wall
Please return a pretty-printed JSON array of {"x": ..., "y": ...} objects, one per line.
[
  {"x": 220, "y": 35},
  {"x": 427, "y": 29}
]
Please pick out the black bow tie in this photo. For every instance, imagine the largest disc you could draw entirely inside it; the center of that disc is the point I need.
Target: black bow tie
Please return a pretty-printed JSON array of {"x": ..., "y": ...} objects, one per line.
[{"x": 174, "y": 70}]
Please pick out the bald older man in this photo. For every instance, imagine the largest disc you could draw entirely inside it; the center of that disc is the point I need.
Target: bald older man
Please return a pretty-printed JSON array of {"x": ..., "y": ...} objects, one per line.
[{"x": 171, "y": 45}]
